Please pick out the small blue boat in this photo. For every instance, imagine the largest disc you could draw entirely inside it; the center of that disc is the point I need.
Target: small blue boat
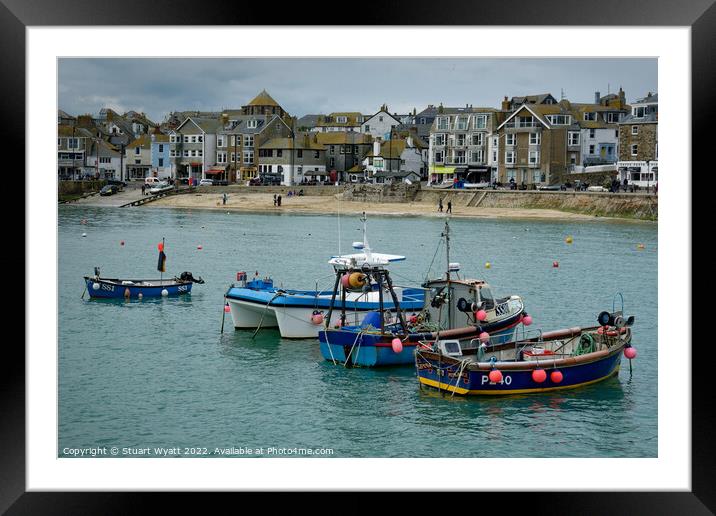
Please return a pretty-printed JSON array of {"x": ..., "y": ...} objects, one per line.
[
  {"x": 116, "y": 288},
  {"x": 108, "y": 288}
]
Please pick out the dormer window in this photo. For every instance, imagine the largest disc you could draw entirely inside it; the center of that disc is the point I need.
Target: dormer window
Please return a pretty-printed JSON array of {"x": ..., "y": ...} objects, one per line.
[
  {"x": 442, "y": 123},
  {"x": 590, "y": 117},
  {"x": 638, "y": 112},
  {"x": 341, "y": 119},
  {"x": 252, "y": 124}
]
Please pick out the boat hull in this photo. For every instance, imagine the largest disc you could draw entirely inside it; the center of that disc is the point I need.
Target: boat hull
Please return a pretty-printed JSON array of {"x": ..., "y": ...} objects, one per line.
[
  {"x": 100, "y": 289},
  {"x": 447, "y": 376},
  {"x": 374, "y": 350}
]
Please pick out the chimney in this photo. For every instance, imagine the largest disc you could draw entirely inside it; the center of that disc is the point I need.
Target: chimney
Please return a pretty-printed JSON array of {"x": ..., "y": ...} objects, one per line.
[
  {"x": 376, "y": 147},
  {"x": 409, "y": 141},
  {"x": 505, "y": 104},
  {"x": 596, "y": 97}
]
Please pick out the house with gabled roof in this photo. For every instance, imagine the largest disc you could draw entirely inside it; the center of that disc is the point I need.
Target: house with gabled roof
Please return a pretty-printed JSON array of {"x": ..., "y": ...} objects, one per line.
[
  {"x": 73, "y": 146},
  {"x": 138, "y": 159},
  {"x": 192, "y": 147},
  {"x": 344, "y": 150},
  {"x": 105, "y": 159},
  {"x": 397, "y": 158},
  {"x": 263, "y": 104},
  {"x": 380, "y": 124},
  {"x": 340, "y": 122},
  {"x": 293, "y": 160}
]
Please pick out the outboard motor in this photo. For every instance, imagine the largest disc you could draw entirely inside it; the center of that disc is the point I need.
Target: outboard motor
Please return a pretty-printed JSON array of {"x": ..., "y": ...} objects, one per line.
[
  {"x": 188, "y": 276},
  {"x": 615, "y": 319},
  {"x": 96, "y": 272}
]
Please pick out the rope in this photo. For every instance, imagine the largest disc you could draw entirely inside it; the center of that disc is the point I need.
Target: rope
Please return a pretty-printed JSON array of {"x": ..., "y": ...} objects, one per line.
[
  {"x": 459, "y": 375},
  {"x": 330, "y": 350},
  {"x": 264, "y": 313},
  {"x": 351, "y": 351}
]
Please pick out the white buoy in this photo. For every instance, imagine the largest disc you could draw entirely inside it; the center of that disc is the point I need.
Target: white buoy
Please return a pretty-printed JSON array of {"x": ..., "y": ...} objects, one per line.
[
  {"x": 165, "y": 292},
  {"x": 95, "y": 286},
  {"x": 140, "y": 295},
  {"x": 84, "y": 234}
]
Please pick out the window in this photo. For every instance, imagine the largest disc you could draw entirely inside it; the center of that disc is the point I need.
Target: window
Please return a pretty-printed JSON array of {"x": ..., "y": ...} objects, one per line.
[
  {"x": 137, "y": 150},
  {"x": 332, "y": 162},
  {"x": 378, "y": 162},
  {"x": 573, "y": 138},
  {"x": 73, "y": 143},
  {"x": 220, "y": 141},
  {"x": 200, "y": 153},
  {"x": 161, "y": 162},
  {"x": 341, "y": 119},
  {"x": 193, "y": 139},
  {"x": 591, "y": 117},
  {"x": 477, "y": 156},
  {"x": 634, "y": 149},
  {"x": 526, "y": 121},
  {"x": 355, "y": 149},
  {"x": 107, "y": 160},
  {"x": 367, "y": 128},
  {"x": 460, "y": 140},
  {"x": 161, "y": 148},
  {"x": 511, "y": 175},
  {"x": 480, "y": 122},
  {"x": 316, "y": 154},
  {"x": 299, "y": 153},
  {"x": 638, "y": 112},
  {"x": 509, "y": 139},
  {"x": 200, "y": 138},
  {"x": 233, "y": 157},
  {"x": 592, "y": 133},
  {"x": 380, "y": 119},
  {"x": 186, "y": 138},
  {"x": 478, "y": 138},
  {"x": 535, "y": 138},
  {"x": 279, "y": 153},
  {"x": 534, "y": 157},
  {"x": 252, "y": 124},
  {"x": 634, "y": 130},
  {"x": 173, "y": 153},
  {"x": 137, "y": 161},
  {"x": 612, "y": 118},
  {"x": 221, "y": 157},
  {"x": 238, "y": 140},
  {"x": 248, "y": 157},
  {"x": 193, "y": 153},
  {"x": 536, "y": 176},
  {"x": 439, "y": 139},
  {"x": 591, "y": 149},
  {"x": 461, "y": 123},
  {"x": 559, "y": 119},
  {"x": 509, "y": 157},
  {"x": 443, "y": 123},
  {"x": 186, "y": 153},
  {"x": 459, "y": 156},
  {"x": 248, "y": 141},
  {"x": 439, "y": 157}
]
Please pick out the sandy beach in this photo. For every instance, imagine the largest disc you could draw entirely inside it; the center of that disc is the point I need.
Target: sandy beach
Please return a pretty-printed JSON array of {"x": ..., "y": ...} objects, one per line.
[{"x": 329, "y": 205}]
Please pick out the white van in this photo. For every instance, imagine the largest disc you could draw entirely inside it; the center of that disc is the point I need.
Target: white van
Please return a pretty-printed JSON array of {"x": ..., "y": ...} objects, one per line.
[{"x": 150, "y": 181}]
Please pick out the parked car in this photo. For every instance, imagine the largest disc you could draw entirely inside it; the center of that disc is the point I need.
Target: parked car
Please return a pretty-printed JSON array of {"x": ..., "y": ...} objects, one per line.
[
  {"x": 109, "y": 190},
  {"x": 221, "y": 182},
  {"x": 149, "y": 181},
  {"x": 552, "y": 188},
  {"x": 160, "y": 187},
  {"x": 580, "y": 185},
  {"x": 206, "y": 182},
  {"x": 596, "y": 188},
  {"x": 116, "y": 182}
]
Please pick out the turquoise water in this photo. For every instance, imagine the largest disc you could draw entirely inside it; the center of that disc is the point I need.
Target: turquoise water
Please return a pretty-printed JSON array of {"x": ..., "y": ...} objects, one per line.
[{"x": 158, "y": 373}]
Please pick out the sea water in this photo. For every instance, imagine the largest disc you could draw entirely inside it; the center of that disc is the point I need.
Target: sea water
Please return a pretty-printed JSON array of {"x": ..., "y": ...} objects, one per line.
[{"x": 158, "y": 378}]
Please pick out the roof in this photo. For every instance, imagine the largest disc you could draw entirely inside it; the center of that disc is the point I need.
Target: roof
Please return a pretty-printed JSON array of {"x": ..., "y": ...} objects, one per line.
[
  {"x": 395, "y": 173},
  {"x": 394, "y": 117},
  {"x": 144, "y": 141},
  {"x": 239, "y": 124},
  {"x": 649, "y": 99},
  {"x": 73, "y": 132},
  {"x": 263, "y": 99},
  {"x": 331, "y": 119},
  {"x": 343, "y": 138},
  {"x": 161, "y": 138},
  {"x": 308, "y": 121},
  {"x": 62, "y": 114},
  {"x": 532, "y": 99}
]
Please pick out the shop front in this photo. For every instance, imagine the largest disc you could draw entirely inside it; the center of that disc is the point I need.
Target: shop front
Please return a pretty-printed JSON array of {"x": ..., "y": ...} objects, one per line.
[{"x": 638, "y": 173}]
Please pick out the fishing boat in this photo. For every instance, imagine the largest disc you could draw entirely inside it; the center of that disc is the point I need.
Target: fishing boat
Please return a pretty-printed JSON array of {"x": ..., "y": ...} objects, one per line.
[
  {"x": 454, "y": 305},
  {"x": 300, "y": 314},
  {"x": 560, "y": 359},
  {"x": 108, "y": 288}
]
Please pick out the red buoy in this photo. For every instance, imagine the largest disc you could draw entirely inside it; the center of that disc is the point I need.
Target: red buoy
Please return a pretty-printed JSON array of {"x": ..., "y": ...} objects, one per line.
[
  {"x": 556, "y": 376},
  {"x": 227, "y": 308},
  {"x": 539, "y": 375},
  {"x": 555, "y": 264},
  {"x": 630, "y": 352},
  {"x": 495, "y": 376}
]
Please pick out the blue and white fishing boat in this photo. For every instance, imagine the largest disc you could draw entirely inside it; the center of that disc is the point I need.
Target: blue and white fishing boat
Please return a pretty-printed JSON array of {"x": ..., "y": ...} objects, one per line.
[
  {"x": 561, "y": 359},
  {"x": 454, "y": 306},
  {"x": 117, "y": 288},
  {"x": 300, "y": 314}
]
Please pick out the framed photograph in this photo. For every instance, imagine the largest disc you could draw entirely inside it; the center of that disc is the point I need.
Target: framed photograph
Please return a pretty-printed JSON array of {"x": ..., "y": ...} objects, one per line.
[{"x": 430, "y": 252}]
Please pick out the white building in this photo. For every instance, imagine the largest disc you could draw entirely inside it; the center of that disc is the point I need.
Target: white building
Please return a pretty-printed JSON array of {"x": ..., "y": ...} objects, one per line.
[{"x": 380, "y": 124}]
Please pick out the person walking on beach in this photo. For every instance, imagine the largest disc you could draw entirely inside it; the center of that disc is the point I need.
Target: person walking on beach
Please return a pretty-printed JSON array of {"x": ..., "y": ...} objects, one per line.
[
  {"x": 143, "y": 189},
  {"x": 449, "y": 208},
  {"x": 440, "y": 205},
  {"x": 224, "y": 199},
  {"x": 278, "y": 200},
  {"x": 274, "y": 199},
  {"x": 626, "y": 184}
]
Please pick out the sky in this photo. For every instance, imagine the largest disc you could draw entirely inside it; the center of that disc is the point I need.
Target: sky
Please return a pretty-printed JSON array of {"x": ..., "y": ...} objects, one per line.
[{"x": 303, "y": 86}]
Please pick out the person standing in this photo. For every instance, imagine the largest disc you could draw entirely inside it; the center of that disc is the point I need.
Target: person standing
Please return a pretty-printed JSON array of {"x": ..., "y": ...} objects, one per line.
[
  {"x": 626, "y": 183},
  {"x": 449, "y": 207},
  {"x": 274, "y": 199},
  {"x": 224, "y": 199},
  {"x": 278, "y": 200},
  {"x": 144, "y": 187},
  {"x": 440, "y": 205}
]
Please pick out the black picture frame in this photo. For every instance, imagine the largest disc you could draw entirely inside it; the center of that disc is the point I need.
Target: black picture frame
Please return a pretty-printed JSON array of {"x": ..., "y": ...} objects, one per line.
[{"x": 700, "y": 15}]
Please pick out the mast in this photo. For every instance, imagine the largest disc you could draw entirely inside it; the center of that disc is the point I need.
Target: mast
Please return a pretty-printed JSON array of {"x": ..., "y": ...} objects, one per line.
[{"x": 446, "y": 234}]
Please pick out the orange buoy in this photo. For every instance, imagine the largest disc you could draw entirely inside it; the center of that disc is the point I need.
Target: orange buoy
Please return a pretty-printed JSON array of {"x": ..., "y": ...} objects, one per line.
[
  {"x": 356, "y": 280},
  {"x": 556, "y": 376},
  {"x": 539, "y": 375},
  {"x": 495, "y": 376}
]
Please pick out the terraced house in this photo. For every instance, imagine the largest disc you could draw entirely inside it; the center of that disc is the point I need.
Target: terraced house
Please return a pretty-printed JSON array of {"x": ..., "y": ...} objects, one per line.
[
  {"x": 461, "y": 145},
  {"x": 345, "y": 151},
  {"x": 192, "y": 148},
  {"x": 138, "y": 159},
  {"x": 396, "y": 159},
  {"x": 294, "y": 160},
  {"x": 73, "y": 145},
  {"x": 337, "y": 122},
  {"x": 639, "y": 143}
]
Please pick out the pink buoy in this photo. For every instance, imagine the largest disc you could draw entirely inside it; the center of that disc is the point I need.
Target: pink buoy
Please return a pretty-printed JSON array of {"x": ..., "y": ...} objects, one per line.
[
  {"x": 495, "y": 376},
  {"x": 199, "y": 247},
  {"x": 527, "y": 320},
  {"x": 539, "y": 375},
  {"x": 227, "y": 308},
  {"x": 121, "y": 242},
  {"x": 630, "y": 352},
  {"x": 484, "y": 336},
  {"x": 345, "y": 280},
  {"x": 555, "y": 264},
  {"x": 481, "y": 315},
  {"x": 397, "y": 345},
  {"x": 317, "y": 318},
  {"x": 556, "y": 376}
]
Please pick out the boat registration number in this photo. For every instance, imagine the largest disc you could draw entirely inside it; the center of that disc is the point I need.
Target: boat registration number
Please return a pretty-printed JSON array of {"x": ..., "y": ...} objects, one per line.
[
  {"x": 506, "y": 380},
  {"x": 109, "y": 288},
  {"x": 181, "y": 288}
]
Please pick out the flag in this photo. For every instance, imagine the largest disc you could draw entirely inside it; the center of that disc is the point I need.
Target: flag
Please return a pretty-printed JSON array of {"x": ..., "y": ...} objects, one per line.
[{"x": 162, "y": 263}]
